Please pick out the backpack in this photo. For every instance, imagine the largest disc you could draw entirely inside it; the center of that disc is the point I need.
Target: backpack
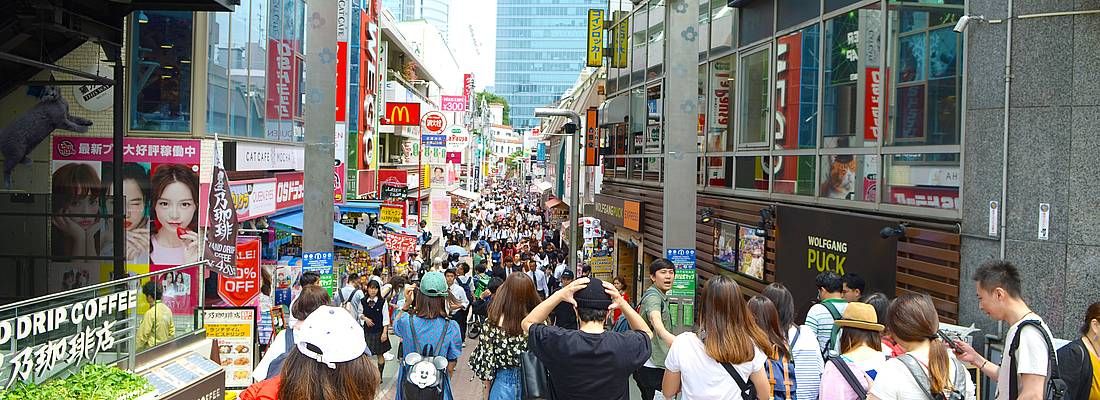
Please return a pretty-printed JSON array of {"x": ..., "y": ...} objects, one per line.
[
  {"x": 347, "y": 304},
  {"x": 781, "y": 373},
  {"x": 849, "y": 376},
  {"x": 748, "y": 390},
  {"x": 276, "y": 365},
  {"x": 425, "y": 372},
  {"x": 1056, "y": 387},
  {"x": 481, "y": 282},
  {"x": 923, "y": 381},
  {"x": 832, "y": 334}
]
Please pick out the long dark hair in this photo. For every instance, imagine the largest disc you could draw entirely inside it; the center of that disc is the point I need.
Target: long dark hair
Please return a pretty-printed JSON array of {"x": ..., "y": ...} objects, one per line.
[
  {"x": 516, "y": 298},
  {"x": 912, "y": 318},
  {"x": 306, "y": 379},
  {"x": 168, "y": 174},
  {"x": 784, "y": 305},
  {"x": 768, "y": 320},
  {"x": 729, "y": 330}
]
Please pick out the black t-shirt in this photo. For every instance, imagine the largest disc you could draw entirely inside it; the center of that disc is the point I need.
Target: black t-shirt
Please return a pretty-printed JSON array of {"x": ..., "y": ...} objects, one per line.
[
  {"x": 589, "y": 366},
  {"x": 565, "y": 316}
]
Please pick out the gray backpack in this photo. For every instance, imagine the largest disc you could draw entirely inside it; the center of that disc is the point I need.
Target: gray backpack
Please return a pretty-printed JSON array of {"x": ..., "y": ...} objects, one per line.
[{"x": 922, "y": 379}]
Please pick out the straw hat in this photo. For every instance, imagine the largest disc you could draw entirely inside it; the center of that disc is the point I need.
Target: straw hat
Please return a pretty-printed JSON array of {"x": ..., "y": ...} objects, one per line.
[{"x": 860, "y": 316}]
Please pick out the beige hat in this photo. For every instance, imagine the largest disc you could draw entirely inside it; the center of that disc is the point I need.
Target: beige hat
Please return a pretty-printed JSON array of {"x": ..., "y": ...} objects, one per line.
[{"x": 860, "y": 316}]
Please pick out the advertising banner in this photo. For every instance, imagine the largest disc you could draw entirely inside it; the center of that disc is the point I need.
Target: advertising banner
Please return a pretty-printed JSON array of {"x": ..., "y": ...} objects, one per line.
[
  {"x": 601, "y": 267},
  {"x": 321, "y": 262},
  {"x": 595, "y": 38},
  {"x": 400, "y": 242},
  {"x": 254, "y": 198},
  {"x": 391, "y": 213},
  {"x": 283, "y": 70},
  {"x": 457, "y": 138},
  {"x": 467, "y": 86},
  {"x": 369, "y": 78},
  {"x": 683, "y": 284},
  {"x": 441, "y": 209},
  {"x": 242, "y": 290},
  {"x": 621, "y": 41},
  {"x": 234, "y": 329},
  {"x": 453, "y": 103},
  {"x": 817, "y": 241},
  {"x": 434, "y": 140},
  {"x": 289, "y": 190},
  {"x": 394, "y": 193},
  {"x": 221, "y": 236},
  {"x": 402, "y": 114},
  {"x": 591, "y": 140}
]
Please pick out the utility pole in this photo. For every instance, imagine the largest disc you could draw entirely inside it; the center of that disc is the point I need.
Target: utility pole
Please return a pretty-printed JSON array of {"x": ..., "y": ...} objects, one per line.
[{"x": 320, "y": 121}]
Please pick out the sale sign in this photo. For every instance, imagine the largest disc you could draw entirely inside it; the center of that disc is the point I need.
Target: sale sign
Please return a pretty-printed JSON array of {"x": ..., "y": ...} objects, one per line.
[
  {"x": 453, "y": 103},
  {"x": 242, "y": 289},
  {"x": 402, "y": 243}
]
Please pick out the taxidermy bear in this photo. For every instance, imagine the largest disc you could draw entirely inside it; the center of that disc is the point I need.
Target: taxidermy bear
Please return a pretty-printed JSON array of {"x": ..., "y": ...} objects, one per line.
[{"x": 19, "y": 138}]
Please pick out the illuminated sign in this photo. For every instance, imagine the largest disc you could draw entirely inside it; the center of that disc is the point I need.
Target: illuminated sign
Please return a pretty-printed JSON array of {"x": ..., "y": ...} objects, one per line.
[{"x": 403, "y": 114}]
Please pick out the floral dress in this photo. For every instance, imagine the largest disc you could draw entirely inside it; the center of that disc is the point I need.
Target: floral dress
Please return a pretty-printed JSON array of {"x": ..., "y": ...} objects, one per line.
[{"x": 496, "y": 351}]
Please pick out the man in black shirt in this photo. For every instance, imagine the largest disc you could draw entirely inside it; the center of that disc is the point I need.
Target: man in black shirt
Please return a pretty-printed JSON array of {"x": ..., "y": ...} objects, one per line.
[
  {"x": 563, "y": 315},
  {"x": 588, "y": 363}
]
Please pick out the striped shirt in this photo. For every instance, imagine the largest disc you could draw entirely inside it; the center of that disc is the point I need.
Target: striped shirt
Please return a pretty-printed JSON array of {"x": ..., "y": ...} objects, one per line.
[
  {"x": 821, "y": 321},
  {"x": 808, "y": 363}
]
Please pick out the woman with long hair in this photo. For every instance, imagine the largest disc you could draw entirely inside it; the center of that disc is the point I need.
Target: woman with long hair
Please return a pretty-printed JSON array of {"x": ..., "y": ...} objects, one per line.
[
  {"x": 729, "y": 342},
  {"x": 174, "y": 236},
  {"x": 808, "y": 363},
  {"x": 621, "y": 285},
  {"x": 779, "y": 368},
  {"x": 1079, "y": 360},
  {"x": 926, "y": 365},
  {"x": 881, "y": 303},
  {"x": 496, "y": 358},
  {"x": 329, "y": 362},
  {"x": 860, "y": 354}
]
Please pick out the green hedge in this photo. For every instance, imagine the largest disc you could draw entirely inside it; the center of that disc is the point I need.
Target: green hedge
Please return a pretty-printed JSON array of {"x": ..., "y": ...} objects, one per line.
[{"x": 92, "y": 382}]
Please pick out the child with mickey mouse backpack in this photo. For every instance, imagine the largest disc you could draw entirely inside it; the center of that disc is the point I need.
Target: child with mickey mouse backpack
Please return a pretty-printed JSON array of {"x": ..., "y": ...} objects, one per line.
[{"x": 430, "y": 343}]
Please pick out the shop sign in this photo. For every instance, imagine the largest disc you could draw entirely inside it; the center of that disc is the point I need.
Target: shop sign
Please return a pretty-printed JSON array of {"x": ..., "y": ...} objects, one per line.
[
  {"x": 254, "y": 198},
  {"x": 453, "y": 103},
  {"x": 601, "y": 267},
  {"x": 467, "y": 86},
  {"x": 947, "y": 199},
  {"x": 621, "y": 41},
  {"x": 245, "y": 156},
  {"x": 434, "y": 122},
  {"x": 591, "y": 140},
  {"x": 683, "y": 284},
  {"x": 96, "y": 96},
  {"x": 619, "y": 212},
  {"x": 234, "y": 329},
  {"x": 817, "y": 241},
  {"x": 241, "y": 290},
  {"x": 391, "y": 213},
  {"x": 399, "y": 242},
  {"x": 457, "y": 138},
  {"x": 595, "y": 37},
  {"x": 454, "y": 157},
  {"x": 343, "y": 10},
  {"x": 434, "y": 140},
  {"x": 393, "y": 193},
  {"x": 340, "y": 179},
  {"x": 321, "y": 263},
  {"x": 221, "y": 237},
  {"x": 93, "y": 321},
  {"x": 402, "y": 114},
  {"x": 289, "y": 190}
]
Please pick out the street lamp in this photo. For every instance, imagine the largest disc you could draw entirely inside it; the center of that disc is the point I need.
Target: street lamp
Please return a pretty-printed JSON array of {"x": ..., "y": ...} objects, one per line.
[{"x": 574, "y": 195}]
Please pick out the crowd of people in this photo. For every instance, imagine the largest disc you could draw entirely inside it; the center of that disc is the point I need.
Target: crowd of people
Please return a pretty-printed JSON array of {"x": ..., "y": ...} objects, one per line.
[{"x": 525, "y": 307}]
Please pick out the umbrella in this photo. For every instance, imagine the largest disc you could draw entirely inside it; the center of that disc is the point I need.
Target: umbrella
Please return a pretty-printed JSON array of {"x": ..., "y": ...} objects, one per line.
[
  {"x": 457, "y": 250},
  {"x": 483, "y": 244}
]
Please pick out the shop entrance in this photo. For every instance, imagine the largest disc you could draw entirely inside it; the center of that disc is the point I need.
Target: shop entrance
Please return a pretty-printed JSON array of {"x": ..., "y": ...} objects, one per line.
[{"x": 626, "y": 261}]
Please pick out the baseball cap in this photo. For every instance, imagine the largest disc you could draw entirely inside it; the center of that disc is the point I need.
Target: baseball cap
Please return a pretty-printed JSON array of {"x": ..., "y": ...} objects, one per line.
[
  {"x": 567, "y": 274},
  {"x": 434, "y": 284},
  {"x": 593, "y": 296},
  {"x": 330, "y": 335}
]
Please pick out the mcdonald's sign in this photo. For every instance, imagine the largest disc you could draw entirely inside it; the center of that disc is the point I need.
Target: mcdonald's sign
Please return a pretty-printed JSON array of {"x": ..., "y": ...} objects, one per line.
[{"x": 402, "y": 114}]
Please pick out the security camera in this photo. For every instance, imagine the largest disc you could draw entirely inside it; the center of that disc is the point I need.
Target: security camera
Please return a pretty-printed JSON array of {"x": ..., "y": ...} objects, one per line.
[{"x": 964, "y": 20}]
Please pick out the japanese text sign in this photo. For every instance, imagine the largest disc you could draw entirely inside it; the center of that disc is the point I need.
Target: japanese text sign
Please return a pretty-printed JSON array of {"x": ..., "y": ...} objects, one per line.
[
  {"x": 402, "y": 243},
  {"x": 683, "y": 283},
  {"x": 595, "y": 37},
  {"x": 390, "y": 213},
  {"x": 453, "y": 103},
  {"x": 221, "y": 237},
  {"x": 591, "y": 139},
  {"x": 241, "y": 290},
  {"x": 289, "y": 189}
]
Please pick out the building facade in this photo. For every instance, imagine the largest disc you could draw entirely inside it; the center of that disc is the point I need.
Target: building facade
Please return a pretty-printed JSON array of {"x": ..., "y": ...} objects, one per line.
[
  {"x": 436, "y": 12},
  {"x": 537, "y": 54},
  {"x": 865, "y": 136}
]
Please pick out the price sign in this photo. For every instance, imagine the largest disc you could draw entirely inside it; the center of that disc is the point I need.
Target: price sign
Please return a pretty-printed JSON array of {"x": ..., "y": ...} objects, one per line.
[{"x": 243, "y": 289}]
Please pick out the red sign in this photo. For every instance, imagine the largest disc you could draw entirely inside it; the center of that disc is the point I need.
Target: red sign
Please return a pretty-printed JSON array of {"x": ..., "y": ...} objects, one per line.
[
  {"x": 454, "y": 157},
  {"x": 368, "y": 187},
  {"x": 591, "y": 138},
  {"x": 341, "y": 177},
  {"x": 946, "y": 198},
  {"x": 872, "y": 105},
  {"x": 402, "y": 114},
  {"x": 341, "y": 81},
  {"x": 435, "y": 122},
  {"x": 467, "y": 86},
  {"x": 402, "y": 243},
  {"x": 289, "y": 189},
  {"x": 243, "y": 289}
]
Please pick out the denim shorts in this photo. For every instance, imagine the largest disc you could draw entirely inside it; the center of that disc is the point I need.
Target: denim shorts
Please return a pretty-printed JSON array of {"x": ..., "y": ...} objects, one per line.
[{"x": 506, "y": 385}]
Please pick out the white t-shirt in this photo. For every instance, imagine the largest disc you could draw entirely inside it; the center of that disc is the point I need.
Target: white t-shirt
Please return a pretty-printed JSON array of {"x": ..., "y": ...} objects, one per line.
[
  {"x": 1033, "y": 354},
  {"x": 903, "y": 386},
  {"x": 703, "y": 378}
]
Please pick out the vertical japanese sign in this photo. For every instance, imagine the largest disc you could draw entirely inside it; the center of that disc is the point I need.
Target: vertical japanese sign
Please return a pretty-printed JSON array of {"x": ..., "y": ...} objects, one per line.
[
  {"x": 595, "y": 37},
  {"x": 683, "y": 284},
  {"x": 368, "y": 88},
  {"x": 621, "y": 41},
  {"x": 235, "y": 331},
  {"x": 283, "y": 48},
  {"x": 221, "y": 236},
  {"x": 591, "y": 139},
  {"x": 468, "y": 87}
]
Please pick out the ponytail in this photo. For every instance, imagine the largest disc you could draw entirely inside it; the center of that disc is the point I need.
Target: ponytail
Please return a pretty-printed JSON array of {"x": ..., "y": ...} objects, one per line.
[{"x": 939, "y": 367}]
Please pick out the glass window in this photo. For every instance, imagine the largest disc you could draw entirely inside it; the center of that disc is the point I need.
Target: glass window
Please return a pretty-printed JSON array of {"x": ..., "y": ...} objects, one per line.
[
  {"x": 720, "y": 172},
  {"x": 750, "y": 173},
  {"x": 851, "y": 177},
  {"x": 757, "y": 21},
  {"x": 652, "y": 140},
  {"x": 639, "y": 118},
  {"x": 217, "y": 71},
  {"x": 923, "y": 180},
  {"x": 793, "y": 12},
  {"x": 754, "y": 99},
  {"x": 721, "y": 27},
  {"x": 257, "y": 63},
  {"x": 238, "y": 72},
  {"x": 796, "y": 70},
  {"x": 160, "y": 79},
  {"x": 833, "y": 5},
  {"x": 853, "y": 58},
  {"x": 704, "y": 29},
  {"x": 927, "y": 83},
  {"x": 794, "y": 175},
  {"x": 656, "y": 49},
  {"x": 639, "y": 39},
  {"x": 720, "y": 121}
]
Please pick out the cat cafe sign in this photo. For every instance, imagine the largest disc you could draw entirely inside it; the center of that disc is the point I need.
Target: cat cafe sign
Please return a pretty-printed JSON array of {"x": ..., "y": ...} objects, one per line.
[
  {"x": 816, "y": 241},
  {"x": 96, "y": 96}
]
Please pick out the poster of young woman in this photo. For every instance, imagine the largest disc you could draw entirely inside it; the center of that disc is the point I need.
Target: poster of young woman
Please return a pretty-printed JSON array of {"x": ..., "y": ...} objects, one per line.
[{"x": 160, "y": 185}]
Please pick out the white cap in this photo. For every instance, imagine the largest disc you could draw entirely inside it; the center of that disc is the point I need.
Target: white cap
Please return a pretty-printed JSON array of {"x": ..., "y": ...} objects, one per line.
[{"x": 335, "y": 335}]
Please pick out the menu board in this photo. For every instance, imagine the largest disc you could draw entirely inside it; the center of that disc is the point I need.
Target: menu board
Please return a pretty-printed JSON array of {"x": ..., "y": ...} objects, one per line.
[{"x": 235, "y": 331}]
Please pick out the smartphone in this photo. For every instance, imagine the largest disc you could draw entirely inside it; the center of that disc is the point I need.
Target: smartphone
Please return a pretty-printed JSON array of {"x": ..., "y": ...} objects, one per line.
[{"x": 950, "y": 342}]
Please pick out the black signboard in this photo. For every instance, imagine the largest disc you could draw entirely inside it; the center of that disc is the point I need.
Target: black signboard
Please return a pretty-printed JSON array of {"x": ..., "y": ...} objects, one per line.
[
  {"x": 392, "y": 193},
  {"x": 810, "y": 242}
]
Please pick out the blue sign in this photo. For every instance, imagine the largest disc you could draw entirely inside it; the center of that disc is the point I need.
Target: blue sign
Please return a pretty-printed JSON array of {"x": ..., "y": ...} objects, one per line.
[
  {"x": 320, "y": 260},
  {"x": 434, "y": 140},
  {"x": 542, "y": 152}
]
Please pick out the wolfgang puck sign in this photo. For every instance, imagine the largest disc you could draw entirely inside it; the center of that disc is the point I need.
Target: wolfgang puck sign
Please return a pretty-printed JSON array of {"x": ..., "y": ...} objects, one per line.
[{"x": 810, "y": 242}]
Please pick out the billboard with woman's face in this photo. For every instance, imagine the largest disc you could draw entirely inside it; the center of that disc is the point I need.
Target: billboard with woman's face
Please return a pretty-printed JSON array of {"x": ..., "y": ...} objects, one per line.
[{"x": 160, "y": 185}]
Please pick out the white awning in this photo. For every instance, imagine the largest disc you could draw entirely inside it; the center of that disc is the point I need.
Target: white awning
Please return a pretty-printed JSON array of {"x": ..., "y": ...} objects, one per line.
[
  {"x": 466, "y": 194},
  {"x": 541, "y": 186}
]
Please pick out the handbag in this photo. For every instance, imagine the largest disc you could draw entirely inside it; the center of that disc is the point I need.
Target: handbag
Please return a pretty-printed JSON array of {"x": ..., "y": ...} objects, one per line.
[{"x": 534, "y": 377}]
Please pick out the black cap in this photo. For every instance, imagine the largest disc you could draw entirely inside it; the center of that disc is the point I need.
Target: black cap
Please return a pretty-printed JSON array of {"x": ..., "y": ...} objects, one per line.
[
  {"x": 593, "y": 296},
  {"x": 567, "y": 274}
]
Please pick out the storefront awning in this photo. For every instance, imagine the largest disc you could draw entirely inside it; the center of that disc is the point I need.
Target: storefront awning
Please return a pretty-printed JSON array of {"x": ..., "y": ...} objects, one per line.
[
  {"x": 369, "y": 207},
  {"x": 554, "y": 203},
  {"x": 466, "y": 194},
  {"x": 342, "y": 235},
  {"x": 541, "y": 186}
]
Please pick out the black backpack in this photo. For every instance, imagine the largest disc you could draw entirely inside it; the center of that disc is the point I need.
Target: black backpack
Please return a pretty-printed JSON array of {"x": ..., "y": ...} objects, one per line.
[
  {"x": 424, "y": 371},
  {"x": 1056, "y": 387},
  {"x": 276, "y": 365}
]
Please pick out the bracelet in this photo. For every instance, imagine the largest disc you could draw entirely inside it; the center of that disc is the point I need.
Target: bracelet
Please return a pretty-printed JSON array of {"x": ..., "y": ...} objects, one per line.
[{"x": 983, "y": 365}]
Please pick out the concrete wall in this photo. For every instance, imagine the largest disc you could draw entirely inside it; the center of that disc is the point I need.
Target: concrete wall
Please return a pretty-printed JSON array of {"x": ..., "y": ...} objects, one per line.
[{"x": 1054, "y": 140}]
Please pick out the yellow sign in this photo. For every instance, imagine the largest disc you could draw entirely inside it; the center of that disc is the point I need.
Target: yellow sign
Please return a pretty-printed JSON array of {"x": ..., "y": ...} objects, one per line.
[
  {"x": 601, "y": 267},
  {"x": 595, "y": 37},
  {"x": 394, "y": 214},
  {"x": 620, "y": 41},
  {"x": 228, "y": 330}
]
